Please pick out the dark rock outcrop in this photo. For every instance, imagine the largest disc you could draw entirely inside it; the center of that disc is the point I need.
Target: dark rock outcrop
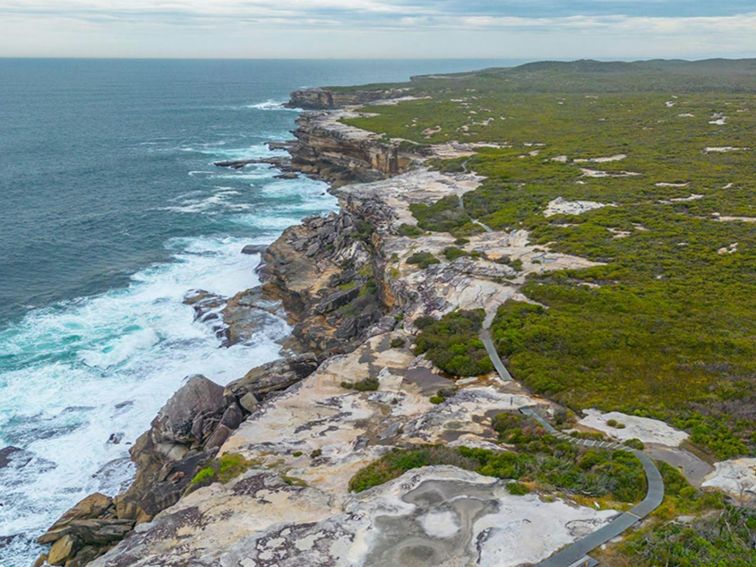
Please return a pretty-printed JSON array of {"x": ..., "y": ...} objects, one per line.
[
  {"x": 323, "y": 271},
  {"x": 254, "y": 248},
  {"x": 326, "y": 99},
  {"x": 330, "y": 153},
  {"x": 272, "y": 377},
  {"x": 234, "y": 320}
]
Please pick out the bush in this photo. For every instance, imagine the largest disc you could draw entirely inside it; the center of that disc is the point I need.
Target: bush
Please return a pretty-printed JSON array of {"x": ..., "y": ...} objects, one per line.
[
  {"x": 424, "y": 321},
  {"x": 423, "y": 259},
  {"x": 452, "y": 343},
  {"x": 397, "y": 342},
  {"x": 635, "y": 444},
  {"x": 452, "y": 253},
  {"x": 316, "y": 453},
  {"x": 517, "y": 488},
  {"x": 205, "y": 476},
  {"x": 409, "y": 230},
  {"x": 365, "y": 385},
  {"x": 721, "y": 539},
  {"x": 225, "y": 468},
  {"x": 436, "y": 399},
  {"x": 399, "y": 461}
]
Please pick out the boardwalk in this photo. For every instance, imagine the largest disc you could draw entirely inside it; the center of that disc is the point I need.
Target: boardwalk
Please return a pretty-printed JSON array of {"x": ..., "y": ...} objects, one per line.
[{"x": 654, "y": 496}]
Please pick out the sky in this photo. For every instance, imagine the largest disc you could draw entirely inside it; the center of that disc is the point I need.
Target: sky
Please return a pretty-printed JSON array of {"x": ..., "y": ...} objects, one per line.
[{"x": 507, "y": 29}]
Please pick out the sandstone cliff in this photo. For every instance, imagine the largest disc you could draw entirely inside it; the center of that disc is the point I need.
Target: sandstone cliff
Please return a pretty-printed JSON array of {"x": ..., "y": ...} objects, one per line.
[{"x": 298, "y": 435}]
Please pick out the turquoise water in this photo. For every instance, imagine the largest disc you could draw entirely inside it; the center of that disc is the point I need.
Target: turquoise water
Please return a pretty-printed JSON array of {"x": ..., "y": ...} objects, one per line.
[{"x": 112, "y": 212}]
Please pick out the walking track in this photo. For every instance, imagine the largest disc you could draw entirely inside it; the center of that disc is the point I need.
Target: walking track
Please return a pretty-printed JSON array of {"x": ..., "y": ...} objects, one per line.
[
  {"x": 575, "y": 554},
  {"x": 577, "y": 551}
]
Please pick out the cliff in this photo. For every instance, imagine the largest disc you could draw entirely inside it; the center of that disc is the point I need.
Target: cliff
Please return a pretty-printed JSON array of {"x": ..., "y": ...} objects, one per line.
[
  {"x": 327, "y": 148},
  {"x": 328, "y": 99},
  {"x": 259, "y": 472}
]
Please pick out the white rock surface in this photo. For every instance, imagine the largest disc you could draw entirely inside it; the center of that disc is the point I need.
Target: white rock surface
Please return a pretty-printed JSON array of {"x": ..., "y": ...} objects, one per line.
[
  {"x": 723, "y": 149},
  {"x": 440, "y": 516},
  {"x": 561, "y": 206},
  {"x": 646, "y": 429},
  {"x": 736, "y": 477}
]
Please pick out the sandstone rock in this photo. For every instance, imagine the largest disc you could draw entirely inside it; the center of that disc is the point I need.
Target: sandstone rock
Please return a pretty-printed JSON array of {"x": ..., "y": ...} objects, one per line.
[
  {"x": 272, "y": 377},
  {"x": 181, "y": 419},
  {"x": 92, "y": 506},
  {"x": 62, "y": 550},
  {"x": 232, "y": 417},
  {"x": 321, "y": 99},
  {"x": 248, "y": 402},
  {"x": 218, "y": 437},
  {"x": 246, "y": 313}
]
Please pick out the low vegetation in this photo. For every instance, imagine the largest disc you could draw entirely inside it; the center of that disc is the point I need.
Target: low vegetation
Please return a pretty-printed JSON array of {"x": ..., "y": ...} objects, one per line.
[
  {"x": 664, "y": 325},
  {"x": 715, "y": 534},
  {"x": 223, "y": 469},
  {"x": 368, "y": 384},
  {"x": 452, "y": 343},
  {"x": 535, "y": 458},
  {"x": 423, "y": 259},
  {"x": 395, "y": 463}
]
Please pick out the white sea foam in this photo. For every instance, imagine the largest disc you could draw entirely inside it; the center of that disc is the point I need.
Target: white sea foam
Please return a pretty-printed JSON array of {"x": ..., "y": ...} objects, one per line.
[
  {"x": 272, "y": 105},
  {"x": 105, "y": 365},
  {"x": 87, "y": 368}
]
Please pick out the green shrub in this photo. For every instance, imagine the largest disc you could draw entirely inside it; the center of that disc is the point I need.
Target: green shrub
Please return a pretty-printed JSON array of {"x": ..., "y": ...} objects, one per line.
[
  {"x": 423, "y": 259},
  {"x": 399, "y": 461},
  {"x": 225, "y": 468},
  {"x": 368, "y": 384},
  {"x": 452, "y": 253},
  {"x": 517, "y": 488},
  {"x": 452, "y": 343},
  {"x": 409, "y": 230},
  {"x": 397, "y": 342},
  {"x": 206, "y": 475},
  {"x": 436, "y": 399},
  {"x": 231, "y": 465},
  {"x": 635, "y": 444},
  {"x": 316, "y": 453},
  {"x": 424, "y": 321},
  {"x": 720, "y": 539}
]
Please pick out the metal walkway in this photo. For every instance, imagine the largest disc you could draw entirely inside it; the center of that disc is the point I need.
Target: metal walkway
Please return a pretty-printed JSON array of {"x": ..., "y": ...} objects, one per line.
[{"x": 576, "y": 551}]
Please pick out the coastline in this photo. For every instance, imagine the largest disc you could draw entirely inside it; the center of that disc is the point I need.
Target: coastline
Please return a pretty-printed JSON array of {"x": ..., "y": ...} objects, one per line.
[
  {"x": 350, "y": 294},
  {"x": 348, "y": 251}
]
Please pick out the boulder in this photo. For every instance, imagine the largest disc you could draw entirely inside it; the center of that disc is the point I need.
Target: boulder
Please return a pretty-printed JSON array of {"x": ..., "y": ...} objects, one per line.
[
  {"x": 273, "y": 377},
  {"x": 254, "y": 248},
  {"x": 184, "y": 418},
  {"x": 93, "y": 506},
  {"x": 248, "y": 402},
  {"x": 62, "y": 550}
]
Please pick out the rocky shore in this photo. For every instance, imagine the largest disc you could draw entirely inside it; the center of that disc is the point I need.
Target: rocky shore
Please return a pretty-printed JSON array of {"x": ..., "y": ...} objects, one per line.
[{"x": 291, "y": 431}]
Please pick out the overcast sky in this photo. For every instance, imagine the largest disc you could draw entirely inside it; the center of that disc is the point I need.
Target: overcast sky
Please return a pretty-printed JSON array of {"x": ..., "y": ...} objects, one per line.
[{"x": 511, "y": 29}]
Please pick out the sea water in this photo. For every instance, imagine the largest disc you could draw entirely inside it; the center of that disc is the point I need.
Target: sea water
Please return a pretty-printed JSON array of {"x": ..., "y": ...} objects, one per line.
[{"x": 112, "y": 211}]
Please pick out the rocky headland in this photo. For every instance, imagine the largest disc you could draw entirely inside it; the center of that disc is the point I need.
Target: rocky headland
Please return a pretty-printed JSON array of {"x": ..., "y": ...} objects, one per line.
[{"x": 258, "y": 472}]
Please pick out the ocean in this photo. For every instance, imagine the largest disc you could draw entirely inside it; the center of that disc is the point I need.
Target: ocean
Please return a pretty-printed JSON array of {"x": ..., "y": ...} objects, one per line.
[{"x": 111, "y": 213}]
